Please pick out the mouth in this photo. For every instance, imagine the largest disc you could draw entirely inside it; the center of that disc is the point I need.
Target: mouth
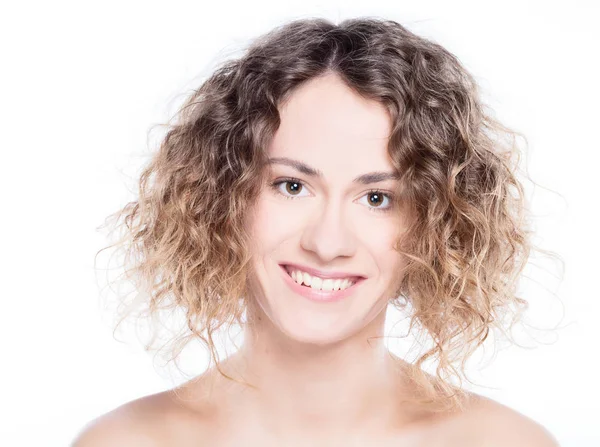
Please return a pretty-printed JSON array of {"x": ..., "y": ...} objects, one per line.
[{"x": 320, "y": 295}]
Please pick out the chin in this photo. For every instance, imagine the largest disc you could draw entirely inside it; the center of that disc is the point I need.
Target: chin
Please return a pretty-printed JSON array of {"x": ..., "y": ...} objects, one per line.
[
  {"x": 305, "y": 325},
  {"x": 309, "y": 336}
]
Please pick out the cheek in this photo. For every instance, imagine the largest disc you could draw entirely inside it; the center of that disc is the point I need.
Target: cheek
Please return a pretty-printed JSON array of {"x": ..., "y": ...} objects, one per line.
[
  {"x": 380, "y": 244},
  {"x": 380, "y": 236},
  {"x": 269, "y": 224}
]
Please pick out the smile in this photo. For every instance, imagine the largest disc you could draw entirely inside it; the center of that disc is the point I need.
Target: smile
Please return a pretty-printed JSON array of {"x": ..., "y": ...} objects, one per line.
[
  {"x": 319, "y": 289},
  {"x": 317, "y": 283}
]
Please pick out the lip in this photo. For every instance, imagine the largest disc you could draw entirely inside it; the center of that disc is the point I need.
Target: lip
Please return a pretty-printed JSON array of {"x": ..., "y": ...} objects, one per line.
[
  {"x": 319, "y": 295},
  {"x": 322, "y": 274}
]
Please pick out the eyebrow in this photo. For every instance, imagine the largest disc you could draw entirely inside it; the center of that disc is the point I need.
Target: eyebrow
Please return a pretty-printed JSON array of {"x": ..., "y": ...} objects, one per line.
[{"x": 364, "y": 179}]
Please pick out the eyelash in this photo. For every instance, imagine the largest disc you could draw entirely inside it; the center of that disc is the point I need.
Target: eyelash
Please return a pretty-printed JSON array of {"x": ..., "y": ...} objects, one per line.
[{"x": 275, "y": 186}]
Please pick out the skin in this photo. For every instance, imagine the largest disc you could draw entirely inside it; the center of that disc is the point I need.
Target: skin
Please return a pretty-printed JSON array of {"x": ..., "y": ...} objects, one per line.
[{"x": 320, "y": 377}]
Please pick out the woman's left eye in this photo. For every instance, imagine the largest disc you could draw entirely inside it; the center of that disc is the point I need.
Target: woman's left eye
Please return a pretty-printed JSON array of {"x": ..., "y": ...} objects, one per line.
[{"x": 375, "y": 200}]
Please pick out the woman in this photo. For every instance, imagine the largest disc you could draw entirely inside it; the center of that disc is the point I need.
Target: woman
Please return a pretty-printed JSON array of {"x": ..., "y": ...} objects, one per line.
[{"x": 329, "y": 172}]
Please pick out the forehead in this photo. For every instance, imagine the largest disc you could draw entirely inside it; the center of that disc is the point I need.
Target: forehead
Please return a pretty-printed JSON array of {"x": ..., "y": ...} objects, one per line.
[{"x": 324, "y": 119}]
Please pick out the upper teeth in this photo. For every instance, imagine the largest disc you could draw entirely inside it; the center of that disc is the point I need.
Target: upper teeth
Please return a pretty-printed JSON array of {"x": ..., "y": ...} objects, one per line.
[{"x": 317, "y": 283}]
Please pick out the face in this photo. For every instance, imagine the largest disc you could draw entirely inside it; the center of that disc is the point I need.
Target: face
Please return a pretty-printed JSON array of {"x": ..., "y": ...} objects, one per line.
[{"x": 322, "y": 218}]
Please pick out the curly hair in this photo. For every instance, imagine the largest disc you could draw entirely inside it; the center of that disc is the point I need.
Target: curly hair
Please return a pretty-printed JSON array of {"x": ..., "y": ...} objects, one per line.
[{"x": 185, "y": 238}]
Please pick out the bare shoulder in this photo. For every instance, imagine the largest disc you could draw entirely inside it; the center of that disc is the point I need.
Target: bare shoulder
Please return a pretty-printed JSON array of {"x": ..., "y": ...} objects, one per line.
[
  {"x": 134, "y": 423},
  {"x": 480, "y": 422},
  {"x": 152, "y": 421},
  {"x": 496, "y": 425}
]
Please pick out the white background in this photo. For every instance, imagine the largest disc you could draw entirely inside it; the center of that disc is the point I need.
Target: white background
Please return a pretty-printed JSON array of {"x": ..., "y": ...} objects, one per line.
[{"x": 82, "y": 82}]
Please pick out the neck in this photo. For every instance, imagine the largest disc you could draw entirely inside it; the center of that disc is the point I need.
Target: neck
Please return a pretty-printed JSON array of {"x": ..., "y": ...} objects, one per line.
[{"x": 329, "y": 388}]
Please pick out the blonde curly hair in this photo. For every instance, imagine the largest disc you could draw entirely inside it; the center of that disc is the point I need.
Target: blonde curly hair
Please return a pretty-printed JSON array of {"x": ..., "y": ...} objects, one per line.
[{"x": 185, "y": 240}]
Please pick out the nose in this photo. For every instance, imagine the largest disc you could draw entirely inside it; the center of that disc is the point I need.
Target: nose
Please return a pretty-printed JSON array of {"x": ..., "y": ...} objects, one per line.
[{"x": 329, "y": 234}]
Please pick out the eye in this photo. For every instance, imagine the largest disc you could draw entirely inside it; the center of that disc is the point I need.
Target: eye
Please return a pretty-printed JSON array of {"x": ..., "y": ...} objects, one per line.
[
  {"x": 376, "y": 200},
  {"x": 292, "y": 187}
]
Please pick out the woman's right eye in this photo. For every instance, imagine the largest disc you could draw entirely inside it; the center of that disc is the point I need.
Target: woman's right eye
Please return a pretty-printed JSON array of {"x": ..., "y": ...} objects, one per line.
[{"x": 291, "y": 187}]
